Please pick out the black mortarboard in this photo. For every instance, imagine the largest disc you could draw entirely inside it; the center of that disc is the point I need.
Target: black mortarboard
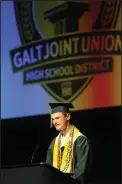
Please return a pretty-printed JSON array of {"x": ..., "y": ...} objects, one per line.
[{"x": 60, "y": 107}]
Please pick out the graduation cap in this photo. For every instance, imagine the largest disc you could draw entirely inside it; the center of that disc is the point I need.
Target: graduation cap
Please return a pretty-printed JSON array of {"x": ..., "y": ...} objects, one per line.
[{"x": 60, "y": 107}]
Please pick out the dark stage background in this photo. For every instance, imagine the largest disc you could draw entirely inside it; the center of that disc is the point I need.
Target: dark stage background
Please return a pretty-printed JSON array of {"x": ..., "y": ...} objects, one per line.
[{"x": 102, "y": 126}]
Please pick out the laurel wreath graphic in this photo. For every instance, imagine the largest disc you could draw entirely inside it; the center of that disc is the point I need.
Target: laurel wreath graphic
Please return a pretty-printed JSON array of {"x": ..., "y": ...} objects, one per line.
[
  {"x": 107, "y": 13},
  {"x": 27, "y": 27}
]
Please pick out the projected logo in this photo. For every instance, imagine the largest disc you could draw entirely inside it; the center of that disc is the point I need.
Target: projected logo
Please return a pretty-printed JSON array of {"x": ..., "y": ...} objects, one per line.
[{"x": 62, "y": 49}]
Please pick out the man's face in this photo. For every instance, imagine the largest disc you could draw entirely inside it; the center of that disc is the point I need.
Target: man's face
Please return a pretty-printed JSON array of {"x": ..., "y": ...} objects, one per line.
[{"x": 60, "y": 120}]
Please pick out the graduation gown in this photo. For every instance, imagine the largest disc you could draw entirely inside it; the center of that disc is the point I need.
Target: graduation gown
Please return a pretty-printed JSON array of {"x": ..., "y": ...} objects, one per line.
[{"x": 82, "y": 158}]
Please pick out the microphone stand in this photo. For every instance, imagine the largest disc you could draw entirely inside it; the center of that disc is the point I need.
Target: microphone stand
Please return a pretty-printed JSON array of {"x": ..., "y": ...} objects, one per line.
[{"x": 34, "y": 153}]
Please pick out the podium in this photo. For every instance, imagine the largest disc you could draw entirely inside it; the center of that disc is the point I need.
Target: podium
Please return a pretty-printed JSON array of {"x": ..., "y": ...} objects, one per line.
[{"x": 35, "y": 174}]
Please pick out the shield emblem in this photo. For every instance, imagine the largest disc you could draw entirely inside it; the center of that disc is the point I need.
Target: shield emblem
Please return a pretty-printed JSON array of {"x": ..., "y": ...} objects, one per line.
[{"x": 55, "y": 20}]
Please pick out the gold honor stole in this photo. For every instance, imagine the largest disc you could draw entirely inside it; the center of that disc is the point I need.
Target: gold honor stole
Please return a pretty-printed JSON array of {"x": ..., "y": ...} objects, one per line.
[{"x": 64, "y": 162}]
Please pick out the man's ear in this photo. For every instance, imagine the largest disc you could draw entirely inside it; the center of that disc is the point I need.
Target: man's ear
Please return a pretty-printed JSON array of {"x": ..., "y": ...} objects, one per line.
[{"x": 68, "y": 116}]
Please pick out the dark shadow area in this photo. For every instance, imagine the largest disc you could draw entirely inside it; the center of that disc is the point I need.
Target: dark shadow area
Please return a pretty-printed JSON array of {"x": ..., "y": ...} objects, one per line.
[{"x": 19, "y": 138}]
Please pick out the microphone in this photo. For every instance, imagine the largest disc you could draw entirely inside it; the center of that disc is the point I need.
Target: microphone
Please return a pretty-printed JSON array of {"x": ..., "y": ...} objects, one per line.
[{"x": 34, "y": 153}]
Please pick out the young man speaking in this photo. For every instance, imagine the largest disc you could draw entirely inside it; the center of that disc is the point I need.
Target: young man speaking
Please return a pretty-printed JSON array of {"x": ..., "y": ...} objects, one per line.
[{"x": 70, "y": 151}]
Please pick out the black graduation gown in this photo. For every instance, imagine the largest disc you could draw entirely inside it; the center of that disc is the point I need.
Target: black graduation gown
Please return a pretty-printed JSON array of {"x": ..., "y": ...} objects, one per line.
[{"x": 82, "y": 158}]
